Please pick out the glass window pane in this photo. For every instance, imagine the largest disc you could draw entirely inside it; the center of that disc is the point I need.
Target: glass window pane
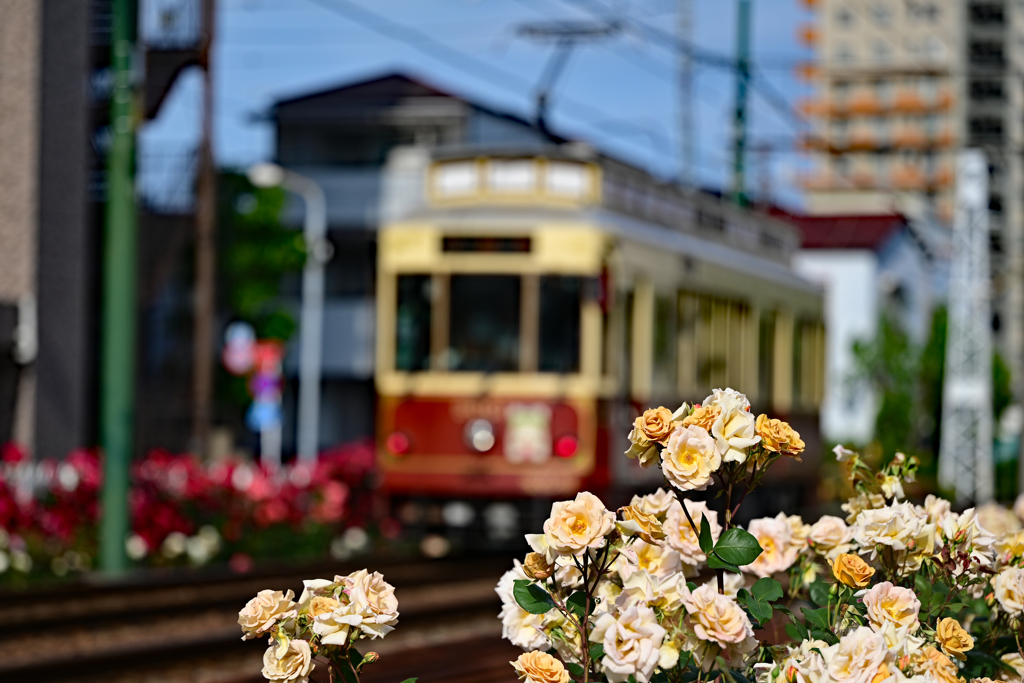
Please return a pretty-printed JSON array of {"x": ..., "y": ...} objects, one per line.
[
  {"x": 560, "y": 324},
  {"x": 484, "y": 334},
  {"x": 412, "y": 323}
]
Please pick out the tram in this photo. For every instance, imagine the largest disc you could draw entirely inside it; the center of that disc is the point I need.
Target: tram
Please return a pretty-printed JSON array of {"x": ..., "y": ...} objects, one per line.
[{"x": 530, "y": 304}]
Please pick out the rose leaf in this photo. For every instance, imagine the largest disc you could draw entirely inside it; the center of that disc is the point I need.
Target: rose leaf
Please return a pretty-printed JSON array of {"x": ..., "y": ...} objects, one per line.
[{"x": 737, "y": 546}]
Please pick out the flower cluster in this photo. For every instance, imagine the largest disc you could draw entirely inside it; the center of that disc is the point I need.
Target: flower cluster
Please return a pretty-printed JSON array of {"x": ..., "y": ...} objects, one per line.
[
  {"x": 183, "y": 511},
  {"x": 326, "y": 622},
  {"x": 668, "y": 590}
]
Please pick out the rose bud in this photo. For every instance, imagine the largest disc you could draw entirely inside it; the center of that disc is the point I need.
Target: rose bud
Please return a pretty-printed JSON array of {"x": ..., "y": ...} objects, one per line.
[{"x": 536, "y": 566}]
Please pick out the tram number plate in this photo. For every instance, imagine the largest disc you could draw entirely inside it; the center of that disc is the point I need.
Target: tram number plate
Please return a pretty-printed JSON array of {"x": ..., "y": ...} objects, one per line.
[{"x": 527, "y": 433}]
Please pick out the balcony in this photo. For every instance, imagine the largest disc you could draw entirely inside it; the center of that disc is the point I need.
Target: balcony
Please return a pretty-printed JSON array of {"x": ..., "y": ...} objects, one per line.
[
  {"x": 910, "y": 138},
  {"x": 908, "y": 178},
  {"x": 908, "y": 101},
  {"x": 943, "y": 178},
  {"x": 865, "y": 103}
]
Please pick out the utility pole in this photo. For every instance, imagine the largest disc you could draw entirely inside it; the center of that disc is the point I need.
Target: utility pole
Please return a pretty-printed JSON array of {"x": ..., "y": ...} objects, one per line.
[
  {"x": 687, "y": 163},
  {"x": 965, "y": 453},
  {"x": 206, "y": 250},
  {"x": 117, "y": 378},
  {"x": 739, "y": 122}
]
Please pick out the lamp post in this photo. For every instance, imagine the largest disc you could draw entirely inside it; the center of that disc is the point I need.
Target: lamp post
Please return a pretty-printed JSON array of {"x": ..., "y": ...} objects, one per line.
[{"x": 311, "y": 323}]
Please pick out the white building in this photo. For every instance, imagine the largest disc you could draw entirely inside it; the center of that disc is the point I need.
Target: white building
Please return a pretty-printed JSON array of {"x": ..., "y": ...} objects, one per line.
[{"x": 867, "y": 265}]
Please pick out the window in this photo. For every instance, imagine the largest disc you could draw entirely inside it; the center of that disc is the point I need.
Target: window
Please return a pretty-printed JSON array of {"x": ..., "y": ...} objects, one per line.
[
  {"x": 844, "y": 17},
  {"x": 844, "y": 54},
  {"x": 884, "y": 91},
  {"x": 666, "y": 343},
  {"x": 882, "y": 53},
  {"x": 484, "y": 323},
  {"x": 560, "y": 324},
  {"x": 881, "y": 14},
  {"x": 412, "y": 323}
]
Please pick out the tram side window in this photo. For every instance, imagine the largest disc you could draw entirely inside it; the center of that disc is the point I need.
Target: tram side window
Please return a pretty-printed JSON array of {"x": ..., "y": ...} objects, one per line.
[
  {"x": 412, "y": 324},
  {"x": 560, "y": 324},
  {"x": 484, "y": 323}
]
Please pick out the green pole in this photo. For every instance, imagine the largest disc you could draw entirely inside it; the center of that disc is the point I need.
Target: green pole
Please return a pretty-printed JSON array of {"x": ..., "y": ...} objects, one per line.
[
  {"x": 118, "y": 332},
  {"x": 739, "y": 122}
]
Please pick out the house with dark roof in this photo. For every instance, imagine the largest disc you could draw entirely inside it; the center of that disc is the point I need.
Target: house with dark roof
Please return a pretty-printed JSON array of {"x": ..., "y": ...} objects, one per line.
[{"x": 869, "y": 266}]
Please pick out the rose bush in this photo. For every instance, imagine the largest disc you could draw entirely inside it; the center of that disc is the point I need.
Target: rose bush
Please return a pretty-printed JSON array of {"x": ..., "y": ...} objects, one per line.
[{"x": 896, "y": 592}]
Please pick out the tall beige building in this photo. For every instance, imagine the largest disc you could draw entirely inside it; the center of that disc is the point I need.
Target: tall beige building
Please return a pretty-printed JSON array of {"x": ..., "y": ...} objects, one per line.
[{"x": 900, "y": 87}]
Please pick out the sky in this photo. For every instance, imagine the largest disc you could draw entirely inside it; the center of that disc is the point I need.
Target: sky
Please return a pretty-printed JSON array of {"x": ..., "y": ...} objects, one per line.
[{"x": 621, "y": 94}]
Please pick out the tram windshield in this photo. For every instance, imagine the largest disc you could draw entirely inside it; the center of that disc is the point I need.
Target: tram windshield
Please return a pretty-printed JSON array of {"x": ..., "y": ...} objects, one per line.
[{"x": 488, "y": 323}]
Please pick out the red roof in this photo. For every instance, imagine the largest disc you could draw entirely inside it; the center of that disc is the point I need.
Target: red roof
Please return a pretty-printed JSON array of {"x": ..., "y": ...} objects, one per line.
[{"x": 843, "y": 231}]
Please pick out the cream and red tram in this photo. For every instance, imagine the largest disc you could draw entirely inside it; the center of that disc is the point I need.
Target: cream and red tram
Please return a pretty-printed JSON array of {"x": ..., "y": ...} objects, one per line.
[{"x": 528, "y": 306}]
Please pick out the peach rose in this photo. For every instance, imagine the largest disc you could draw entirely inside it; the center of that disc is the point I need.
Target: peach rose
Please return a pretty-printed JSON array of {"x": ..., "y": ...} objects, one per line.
[
  {"x": 679, "y": 535},
  {"x": 577, "y": 524},
  {"x": 719, "y": 625},
  {"x": 536, "y": 566},
  {"x": 261, "y": 613},
  {"x": 778, "y": 437},
  {"x": 830, "y": 536},
  {"x": 690, "y": 458},
  {"x": 703, "y": 417},
  {"x": 859, "y": 657},
  {"x": 888, "y": 603},
  {"x": 288, "y": 661},
  {"x": 939, "y": 666},
  {"x": 953, "y": 639},
  {"x": 851, "y": 570},
  {"x": 775, "y": 535},
  {"x": 650, "y": 429},
  {"x": 540, "y": 667},
  {"x": 636, "y": 522}
]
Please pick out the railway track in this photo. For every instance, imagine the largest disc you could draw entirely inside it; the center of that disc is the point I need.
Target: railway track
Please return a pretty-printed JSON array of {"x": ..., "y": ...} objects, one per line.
[{"x": 172, "y": 629}]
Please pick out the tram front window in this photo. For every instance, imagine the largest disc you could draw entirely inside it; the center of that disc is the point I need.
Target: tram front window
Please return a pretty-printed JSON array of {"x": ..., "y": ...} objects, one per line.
[
  {"x": 484, "y": 323},
  {"x": 412, "y": 323},
  {"x": 559, "y": 324}
]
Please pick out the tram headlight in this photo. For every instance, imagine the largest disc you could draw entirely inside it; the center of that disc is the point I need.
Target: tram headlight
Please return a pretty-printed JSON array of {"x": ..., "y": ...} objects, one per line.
[
  {"x": 566, "y": 446},
  {"x": 480, "y": 435},
  {"x": 397, "y": 443}
]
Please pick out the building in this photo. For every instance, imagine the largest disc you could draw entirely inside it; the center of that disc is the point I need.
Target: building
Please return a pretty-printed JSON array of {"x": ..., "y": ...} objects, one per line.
[
  {"x": 901, "y": 85},
  {"x": 869, "y": 266}
]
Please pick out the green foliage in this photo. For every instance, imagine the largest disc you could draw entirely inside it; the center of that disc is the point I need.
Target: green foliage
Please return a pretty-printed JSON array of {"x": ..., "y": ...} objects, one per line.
[
  {"x": 256, "y": 252},
  {"x": 532, "y": 597},
  {"x": 737, "y": 546}
]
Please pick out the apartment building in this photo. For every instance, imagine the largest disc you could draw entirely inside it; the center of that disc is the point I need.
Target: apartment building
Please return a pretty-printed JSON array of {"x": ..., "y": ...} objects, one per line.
[{"x": 900, "y": 87}]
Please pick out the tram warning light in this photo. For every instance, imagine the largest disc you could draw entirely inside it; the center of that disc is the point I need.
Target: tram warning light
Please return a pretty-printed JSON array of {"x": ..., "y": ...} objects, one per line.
[
  {"x": 397, "y": 443},
  {"x": 566, "y": 446}
]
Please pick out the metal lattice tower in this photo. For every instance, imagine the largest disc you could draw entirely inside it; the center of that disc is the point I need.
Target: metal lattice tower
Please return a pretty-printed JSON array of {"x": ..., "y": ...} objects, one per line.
[{"x": 965, "y": 455}]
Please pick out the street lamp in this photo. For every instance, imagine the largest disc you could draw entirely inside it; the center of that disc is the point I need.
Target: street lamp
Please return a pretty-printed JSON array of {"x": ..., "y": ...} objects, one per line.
[{"x": 318, "y": 253}]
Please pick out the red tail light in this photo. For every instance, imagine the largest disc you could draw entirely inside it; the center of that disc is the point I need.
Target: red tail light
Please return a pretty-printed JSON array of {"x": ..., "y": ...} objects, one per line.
[
  {"x": 566, "y": 446},
  {"x": 397, "y": 443}
]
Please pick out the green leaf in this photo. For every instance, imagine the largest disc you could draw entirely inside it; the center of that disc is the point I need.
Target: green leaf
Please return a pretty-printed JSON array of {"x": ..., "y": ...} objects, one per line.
[
  {"x": 796, "y": 631},
  {"x": 576, "y": 603},
  {"x": 738, "y": 676},
  {"x": 631, "y": 679},
  {"x": 818, "y": 617},
  {"x": 714, "y": 562},
  {"x": 691, "y": 586},
  {"x": 532, "y": 597},
  {"x": 413, "y": 680},
  {"x": 767, "y": 590},
  {"x": 705, "y": 540},
  {"x": 575, "y": 669},
  {"x": 737, "y": 546},
  {"x": 354, "y": 656},
  {"x": 597, "y": 651},
  {"x": 923, "y": 588},
  {"x": 659, "y": 677},
  {"x": 762, "y": 611},
  {"x": 819, "y": 593},
  {"x": 348, "y": 674}
]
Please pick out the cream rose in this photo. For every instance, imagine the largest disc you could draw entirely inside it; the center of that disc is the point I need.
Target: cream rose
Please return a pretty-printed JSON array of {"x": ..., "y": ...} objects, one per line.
[
  {"x": 631, "y": 643},
  {"x": 540, "y": 667},
  {"x": 1009, "y": 589},
  {"x": 888, "y": 603},
  {"x": 690, "y": 458},
  {"x": 775, "y": 536},
  {"x": 289, "y": 661},
  {"x": 733, "y": 429},
  {"x": 1016, "y": 662},
  {"x": 643, "y": 588},
  {"x": 637, "y": 522},
  {"x": 577, "y": 524},
  {"x": 657, "y": 560},
  {"x": 1010, "y": 546},
  {"x": 968, "y": 535},
  {"x": 261, "y": 613},
  {"x": 830, "y": 536},
  {"x": 937, "y": 509},
  {"x": 657, "y": 503},
  {"x": 997, "y": 520},
  {"x": 375, "y": 601},
  {"x": 859, "y": 657},
  {"x": 804, "y": 663},
  {"x": 892, "y": 526},
  {"x": 680, "y": 536},
  {"x": 719, "y": 622}
]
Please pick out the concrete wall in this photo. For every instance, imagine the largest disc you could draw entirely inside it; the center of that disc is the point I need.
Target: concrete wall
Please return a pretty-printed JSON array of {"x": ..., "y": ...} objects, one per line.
[
  {"x": 849, "y": 278},
  {"x": 19, "y": 140}
]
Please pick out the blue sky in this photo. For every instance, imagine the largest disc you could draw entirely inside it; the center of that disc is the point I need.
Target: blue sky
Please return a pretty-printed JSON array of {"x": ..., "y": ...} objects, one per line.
[{"x": 619, "y": 94}]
